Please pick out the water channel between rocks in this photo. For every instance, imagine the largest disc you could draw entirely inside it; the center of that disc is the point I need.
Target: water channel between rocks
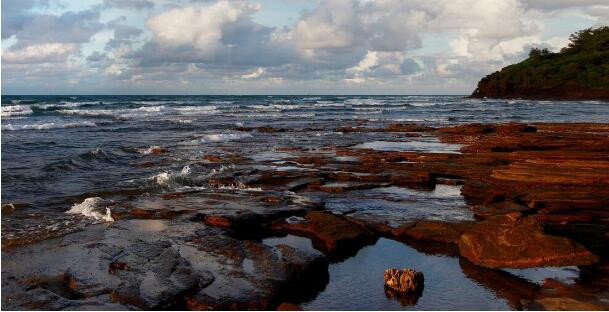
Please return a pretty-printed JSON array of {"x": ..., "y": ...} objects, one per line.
[{"x": 356, "y": 283}]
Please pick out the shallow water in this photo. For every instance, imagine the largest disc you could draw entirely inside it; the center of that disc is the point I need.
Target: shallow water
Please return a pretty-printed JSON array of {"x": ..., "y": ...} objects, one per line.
[
  {"x": 416, "y": 146},
  {"x": 357, "y": 283}
]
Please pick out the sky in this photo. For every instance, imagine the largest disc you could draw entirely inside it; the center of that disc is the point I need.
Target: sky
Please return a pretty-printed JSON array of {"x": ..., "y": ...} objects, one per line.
[{"x": 276, "y": 46}]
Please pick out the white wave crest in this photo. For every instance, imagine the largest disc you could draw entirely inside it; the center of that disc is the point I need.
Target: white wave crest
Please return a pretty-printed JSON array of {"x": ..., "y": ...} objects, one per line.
[
  {"x": 194, "y": 110},
  {"x": 48, "y": 125},
  {"x": 92, "y": 207},
  {"x": 274, "y": 107},
  {"x": 142, "y": 111},
  {"x": 224, "y": 137},
  {"x": 173, "y": 180},
  {"x": 16, "y": 110},
  {"x": 88, "y": 112},
  {"x": 151, "y": 109}
]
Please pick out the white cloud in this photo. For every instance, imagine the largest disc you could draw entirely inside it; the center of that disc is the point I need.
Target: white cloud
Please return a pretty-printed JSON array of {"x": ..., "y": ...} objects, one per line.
[
  {"x": 367, "y": 63},
  {"x": 39, "y": 53},
  {"x": 255, "y": 74},
  {"x": 337, "y": 44},
  {"x": 199, "y": 27}
]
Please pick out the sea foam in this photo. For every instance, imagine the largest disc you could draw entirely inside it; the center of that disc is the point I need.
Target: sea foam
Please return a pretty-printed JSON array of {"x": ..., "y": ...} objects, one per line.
[
  {"x": 224, "y": 137},
  {"x": 92, "y": 207}
]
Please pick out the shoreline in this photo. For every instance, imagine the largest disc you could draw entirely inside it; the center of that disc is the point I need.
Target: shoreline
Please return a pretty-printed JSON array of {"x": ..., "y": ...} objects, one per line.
[{"x": 539, "y": 194}]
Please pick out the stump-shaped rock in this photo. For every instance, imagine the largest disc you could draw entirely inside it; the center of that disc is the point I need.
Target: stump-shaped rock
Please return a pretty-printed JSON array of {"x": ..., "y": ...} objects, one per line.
[{"x": 405, "y": 280}]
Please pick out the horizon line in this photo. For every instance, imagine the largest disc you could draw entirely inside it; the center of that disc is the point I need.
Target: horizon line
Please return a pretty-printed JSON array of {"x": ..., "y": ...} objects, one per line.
[{"x": 227, "y": 94}]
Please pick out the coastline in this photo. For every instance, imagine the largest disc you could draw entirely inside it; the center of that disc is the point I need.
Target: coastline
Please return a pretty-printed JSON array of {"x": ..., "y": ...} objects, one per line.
[{"x": 539, "y": 195}]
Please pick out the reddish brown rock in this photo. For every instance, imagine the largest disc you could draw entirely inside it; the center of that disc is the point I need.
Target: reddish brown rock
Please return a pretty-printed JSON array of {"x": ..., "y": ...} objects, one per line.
[
  {"x": 330, "y": 233},
  {"x": 509, "y": 243},
  {"x": 566, "y": 304},
  {"x": 213, "y": 158},
  {"x": 286, "y": 306},
  {"x": 220, "y": 221},
  {"x": 430, "y": 230},
  {"x": 498, "y": 208},
  {"x": 407, "y": 128}
]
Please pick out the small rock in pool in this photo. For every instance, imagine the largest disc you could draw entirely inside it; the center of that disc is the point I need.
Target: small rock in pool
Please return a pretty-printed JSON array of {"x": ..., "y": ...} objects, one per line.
[{"x": 405, "y": 280}]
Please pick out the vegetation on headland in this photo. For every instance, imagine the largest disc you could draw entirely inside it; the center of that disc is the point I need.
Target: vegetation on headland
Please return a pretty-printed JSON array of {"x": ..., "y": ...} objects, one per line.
[{"x": 579, "y": 71}]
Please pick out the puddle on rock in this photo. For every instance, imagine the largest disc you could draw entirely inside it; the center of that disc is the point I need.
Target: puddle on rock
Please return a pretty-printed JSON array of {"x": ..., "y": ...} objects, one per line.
[
  {"x": 410, "y": 146},
  {"x": 566, "y": 275},
  {"x": 298, "y": 242},
  {"x": 396, "y": 205},
  {"x": 357, "y": 283}
]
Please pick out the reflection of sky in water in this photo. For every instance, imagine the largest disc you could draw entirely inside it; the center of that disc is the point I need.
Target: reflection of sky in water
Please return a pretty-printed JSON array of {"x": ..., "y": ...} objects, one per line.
[
  {"x": 411, "y": 146},
  {"x": 566, "y": 274},
  {"x": 399, "y": 204},
  {"x": 298, "y": 242}
]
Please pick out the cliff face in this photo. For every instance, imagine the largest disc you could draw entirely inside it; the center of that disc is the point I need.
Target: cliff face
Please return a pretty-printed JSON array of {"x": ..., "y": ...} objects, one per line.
[{"x": 579, "y": 71}]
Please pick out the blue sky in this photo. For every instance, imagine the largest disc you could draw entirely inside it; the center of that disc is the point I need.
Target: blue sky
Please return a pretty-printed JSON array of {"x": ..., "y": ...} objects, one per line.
[{"x": 276, "y": 47}]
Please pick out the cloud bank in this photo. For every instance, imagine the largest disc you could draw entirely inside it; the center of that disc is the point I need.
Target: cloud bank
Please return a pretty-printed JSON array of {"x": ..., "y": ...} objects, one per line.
[{"x": 335, "y": 46}]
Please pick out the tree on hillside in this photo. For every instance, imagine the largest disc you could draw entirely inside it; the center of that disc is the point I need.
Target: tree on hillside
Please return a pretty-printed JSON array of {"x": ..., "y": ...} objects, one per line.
[
  {"x": 538, "y": 53},
  {"x": 588, "y": 39}
]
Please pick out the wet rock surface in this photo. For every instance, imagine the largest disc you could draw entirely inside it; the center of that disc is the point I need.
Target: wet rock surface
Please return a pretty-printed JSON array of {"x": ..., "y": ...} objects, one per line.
[
  {"x": 499, "y": 196},
  {"x": 152, "y": 264}
]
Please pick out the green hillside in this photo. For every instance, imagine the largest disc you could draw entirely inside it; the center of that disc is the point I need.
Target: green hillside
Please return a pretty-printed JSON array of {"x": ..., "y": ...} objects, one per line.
[{"x": 578, "y": 71}]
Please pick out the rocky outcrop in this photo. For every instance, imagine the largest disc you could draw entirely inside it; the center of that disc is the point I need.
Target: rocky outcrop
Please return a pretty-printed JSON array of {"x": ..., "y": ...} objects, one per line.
[
  {"x": 154, "y": 264},
  {"x": 519, "y": 243}
]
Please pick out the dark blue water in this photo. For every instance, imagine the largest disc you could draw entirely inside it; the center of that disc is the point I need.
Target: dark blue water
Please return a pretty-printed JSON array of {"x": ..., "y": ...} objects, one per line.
[{"x": 55, "y": 147}]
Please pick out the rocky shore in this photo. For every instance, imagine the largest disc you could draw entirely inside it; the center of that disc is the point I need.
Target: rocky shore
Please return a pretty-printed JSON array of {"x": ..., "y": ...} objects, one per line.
[{"x": 539, "y": 194}]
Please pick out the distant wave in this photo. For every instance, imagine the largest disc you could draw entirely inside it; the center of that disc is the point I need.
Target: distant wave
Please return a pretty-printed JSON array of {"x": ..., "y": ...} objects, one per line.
[
  {"x": 274, "y": 107},
  {"x": 142, "y": 112},
  {"x": 48, "y": 125}
]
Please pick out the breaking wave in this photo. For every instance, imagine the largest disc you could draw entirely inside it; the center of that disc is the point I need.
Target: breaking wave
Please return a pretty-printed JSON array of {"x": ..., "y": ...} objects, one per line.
[
  {"x": 93, "y": 207},
  {"x": 16, "y": 110}
]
